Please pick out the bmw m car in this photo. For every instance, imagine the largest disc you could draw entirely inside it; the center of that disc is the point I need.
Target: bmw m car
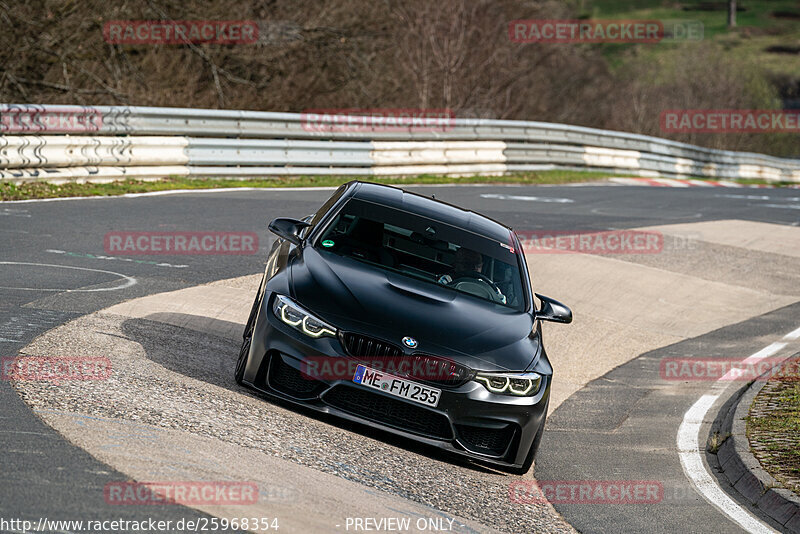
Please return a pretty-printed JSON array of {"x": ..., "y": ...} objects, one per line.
[{"x": 405, "y": 313}]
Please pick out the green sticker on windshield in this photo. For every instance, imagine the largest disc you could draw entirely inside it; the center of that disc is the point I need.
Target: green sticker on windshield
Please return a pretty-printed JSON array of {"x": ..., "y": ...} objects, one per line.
[{"x": 327, "y": 243}]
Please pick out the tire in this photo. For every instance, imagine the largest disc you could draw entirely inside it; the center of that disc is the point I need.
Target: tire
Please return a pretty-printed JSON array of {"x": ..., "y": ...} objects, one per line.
[
  {"x": 526, "y": 466},
  {"x": 247, "y": 337},
  {"x": 241, "y": 363}
]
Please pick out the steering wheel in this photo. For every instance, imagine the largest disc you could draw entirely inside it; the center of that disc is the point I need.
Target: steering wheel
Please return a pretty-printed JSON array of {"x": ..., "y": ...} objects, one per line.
[{"x": 475, "y": 283}]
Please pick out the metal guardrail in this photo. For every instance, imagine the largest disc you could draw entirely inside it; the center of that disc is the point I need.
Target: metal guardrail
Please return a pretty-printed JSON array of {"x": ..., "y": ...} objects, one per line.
[{"x": 104, "y": 143}]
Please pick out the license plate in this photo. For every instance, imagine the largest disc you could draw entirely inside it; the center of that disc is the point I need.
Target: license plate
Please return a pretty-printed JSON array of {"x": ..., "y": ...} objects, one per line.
[{"x": 398, "y": 387}]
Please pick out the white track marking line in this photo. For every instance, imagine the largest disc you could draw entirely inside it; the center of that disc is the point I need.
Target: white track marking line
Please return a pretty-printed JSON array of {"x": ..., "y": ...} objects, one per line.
[
  {"x": 784, "y": 206},
  {"x": 171, "y": 192},
  {"x": 527, "y": 198},
  {"x": 129, "y": 280},
  {"x": 234, "y": 189},
  {"x": 627, "y": 181},
  {"x": 689, "y": 447},
  {"x": 671, "y": 182},
  {"x": 794, "y": 334},
  {"x": 11, "y": 212},
  {"x": 114, "y": 258},
  {"x": 683, "y": 182},
  {"x": 692, "y": 462},
  {"x": 745, "y": 197},
  {"x": 760, "y": 355}
]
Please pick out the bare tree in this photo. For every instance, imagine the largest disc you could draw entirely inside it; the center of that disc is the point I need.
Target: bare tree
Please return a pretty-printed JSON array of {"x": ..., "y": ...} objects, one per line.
[
  {"x": 453, "y": 54},
  {"x": 457, "y": 54}
]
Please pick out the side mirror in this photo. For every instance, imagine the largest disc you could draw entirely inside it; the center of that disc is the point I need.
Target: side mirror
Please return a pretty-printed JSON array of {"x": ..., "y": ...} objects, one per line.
[
  {"x": 288, "y": 229},
  {"x": 552, "y": 310}
]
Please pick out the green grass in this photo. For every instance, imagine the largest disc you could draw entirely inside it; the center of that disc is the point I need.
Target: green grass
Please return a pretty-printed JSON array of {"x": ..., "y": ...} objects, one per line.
[
  {"x": 753, "y": 181},
  {"x": 784, "y": 420},
  {"x": 24, "y": 191},
  {"x": 757, "y": 28},
  {"x": 783, "y": 461},
  {"x": 756, "y": 14},
  {"x": 33, "y": 190}
]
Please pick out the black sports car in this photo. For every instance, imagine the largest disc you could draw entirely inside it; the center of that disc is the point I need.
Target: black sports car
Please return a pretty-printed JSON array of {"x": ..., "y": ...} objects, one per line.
[{"x": 409, "y": 314}]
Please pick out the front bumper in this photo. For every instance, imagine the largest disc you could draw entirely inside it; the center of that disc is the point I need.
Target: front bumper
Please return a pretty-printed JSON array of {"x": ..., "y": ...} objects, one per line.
[{"x": 468, "y": 420}]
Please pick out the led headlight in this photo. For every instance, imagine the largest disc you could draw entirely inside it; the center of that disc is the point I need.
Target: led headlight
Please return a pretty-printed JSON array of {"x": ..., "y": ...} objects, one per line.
[
  {"x": 516, "y": 384},
  {"x": 298, "y": 318}
]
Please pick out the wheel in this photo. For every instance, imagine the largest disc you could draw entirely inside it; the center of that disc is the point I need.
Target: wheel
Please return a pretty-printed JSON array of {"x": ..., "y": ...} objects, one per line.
[
  {"x": 241, "y": 363},
  {"x": 247, "y": 336},
  {"x": 526, "y": 466}
]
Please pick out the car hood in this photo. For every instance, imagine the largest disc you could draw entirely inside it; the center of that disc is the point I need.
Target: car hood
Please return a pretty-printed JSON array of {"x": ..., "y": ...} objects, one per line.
[{"x": 357, "y": 297}]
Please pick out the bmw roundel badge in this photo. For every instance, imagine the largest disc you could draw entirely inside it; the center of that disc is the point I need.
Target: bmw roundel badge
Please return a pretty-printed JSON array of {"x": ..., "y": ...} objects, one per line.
[{"x": 410, "y": 342}]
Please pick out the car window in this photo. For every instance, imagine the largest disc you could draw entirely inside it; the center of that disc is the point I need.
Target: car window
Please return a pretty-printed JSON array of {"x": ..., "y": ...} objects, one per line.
[
  {"x": 426, "y": 249},
  {"x": 314, "y": 218},
  {"x": 327, "y": 205}
]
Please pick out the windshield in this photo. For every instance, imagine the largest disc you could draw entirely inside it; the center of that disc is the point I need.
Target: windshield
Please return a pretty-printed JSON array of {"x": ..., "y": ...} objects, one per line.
[{"x": 428, "y": 250}]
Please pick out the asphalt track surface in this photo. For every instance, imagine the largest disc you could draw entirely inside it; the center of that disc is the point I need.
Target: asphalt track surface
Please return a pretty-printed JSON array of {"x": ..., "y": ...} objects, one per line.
[{"x": 618, "y": 426}]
